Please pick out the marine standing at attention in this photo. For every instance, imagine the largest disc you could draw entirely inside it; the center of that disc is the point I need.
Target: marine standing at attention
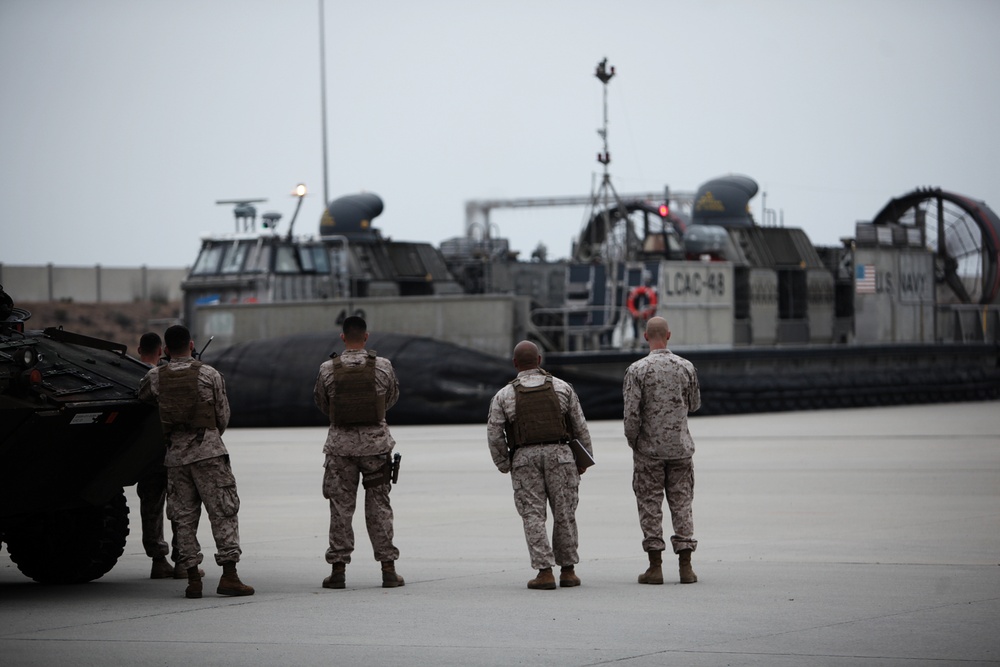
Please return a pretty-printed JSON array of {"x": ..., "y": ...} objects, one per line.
[
  {"x": 355, "y": 389},
  {"x": 531, "y": 421},
  {"x": 659, "y": 391},
  {"x": 194, "y": 412}
]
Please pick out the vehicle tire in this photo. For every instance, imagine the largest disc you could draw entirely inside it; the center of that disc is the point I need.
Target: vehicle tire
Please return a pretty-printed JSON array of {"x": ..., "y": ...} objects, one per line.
[{"x": 72, "y": 546}]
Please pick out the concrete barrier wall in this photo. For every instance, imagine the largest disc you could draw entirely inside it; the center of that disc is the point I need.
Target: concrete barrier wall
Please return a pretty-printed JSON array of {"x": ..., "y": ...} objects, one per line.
[{"x": 91, "y": 284}]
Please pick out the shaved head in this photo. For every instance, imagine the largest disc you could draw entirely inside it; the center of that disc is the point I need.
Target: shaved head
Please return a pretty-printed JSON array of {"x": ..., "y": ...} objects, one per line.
[
  {"x": 526, "y": 356},
  {"x": 657, "y": 332}
]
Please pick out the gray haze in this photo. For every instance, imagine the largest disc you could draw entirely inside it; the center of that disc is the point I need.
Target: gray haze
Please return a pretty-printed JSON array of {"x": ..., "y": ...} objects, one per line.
[{"x": 124, "y": 120}]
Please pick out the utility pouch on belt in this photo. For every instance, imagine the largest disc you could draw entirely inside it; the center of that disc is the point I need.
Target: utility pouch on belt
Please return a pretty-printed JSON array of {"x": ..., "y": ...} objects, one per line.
[
  {"x": 356, "y": 401},
  {"x": 389, "y": 472}
]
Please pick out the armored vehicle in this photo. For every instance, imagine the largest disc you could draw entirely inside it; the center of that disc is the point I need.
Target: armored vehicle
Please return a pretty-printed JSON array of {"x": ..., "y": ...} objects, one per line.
[{"x": 73, "y": 434}]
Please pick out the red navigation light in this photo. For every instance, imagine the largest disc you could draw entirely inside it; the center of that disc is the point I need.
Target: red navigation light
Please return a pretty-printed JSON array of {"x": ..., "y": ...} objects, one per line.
[
  {"x": 29, "y": 379},
  {"x": 664, "y": 210}
]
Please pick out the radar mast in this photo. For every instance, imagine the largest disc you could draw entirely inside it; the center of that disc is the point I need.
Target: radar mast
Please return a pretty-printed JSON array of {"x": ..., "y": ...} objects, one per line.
[{"x": 600, "y": 239}]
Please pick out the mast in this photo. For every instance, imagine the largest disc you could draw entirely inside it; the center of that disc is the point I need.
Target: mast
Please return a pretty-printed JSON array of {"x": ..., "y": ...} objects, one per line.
[{"x": 600, "y": 237}]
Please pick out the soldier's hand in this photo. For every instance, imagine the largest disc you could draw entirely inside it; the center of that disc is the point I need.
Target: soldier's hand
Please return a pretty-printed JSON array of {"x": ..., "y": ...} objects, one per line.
[{"x": 581, "y": 470}]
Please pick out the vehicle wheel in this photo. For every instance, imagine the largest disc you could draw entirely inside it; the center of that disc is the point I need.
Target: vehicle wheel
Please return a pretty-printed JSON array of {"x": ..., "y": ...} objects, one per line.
[{"x": 72, "y": 546}]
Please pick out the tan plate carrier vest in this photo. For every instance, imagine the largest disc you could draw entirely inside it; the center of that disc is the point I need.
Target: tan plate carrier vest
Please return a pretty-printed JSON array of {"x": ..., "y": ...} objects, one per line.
[
  {"x": 356, "y": 401},
  {"x": 181, "y": 408},
  {"x": 538, "y": 416}
]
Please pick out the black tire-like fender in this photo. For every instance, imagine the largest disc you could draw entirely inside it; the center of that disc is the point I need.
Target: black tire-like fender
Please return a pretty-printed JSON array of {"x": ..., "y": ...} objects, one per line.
[{"x": 71, "y": 546}]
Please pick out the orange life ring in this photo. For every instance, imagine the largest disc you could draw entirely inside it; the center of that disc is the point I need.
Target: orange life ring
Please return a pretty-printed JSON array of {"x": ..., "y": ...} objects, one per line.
[{"x": 638, "y": 312}]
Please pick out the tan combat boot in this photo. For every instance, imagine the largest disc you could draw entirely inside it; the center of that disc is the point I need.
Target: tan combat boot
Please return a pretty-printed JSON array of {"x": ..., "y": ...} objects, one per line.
[
  {"x": 687, "y": 574},
  {"x": 654, "y": 574},
  {"x": 389, "y": 577},
  {"x": 567, "y": 576},
  {"x": 230, "y": 583},
  {"x": 193, "y": 589},
  {"x": 161, "y": 569},
  {"x": 544, "y": 581},
  {"x": 337, "y": 578}
]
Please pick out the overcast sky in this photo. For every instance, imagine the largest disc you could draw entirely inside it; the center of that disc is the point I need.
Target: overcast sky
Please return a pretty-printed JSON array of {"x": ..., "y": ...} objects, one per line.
[{"x": 123, "y": 121}]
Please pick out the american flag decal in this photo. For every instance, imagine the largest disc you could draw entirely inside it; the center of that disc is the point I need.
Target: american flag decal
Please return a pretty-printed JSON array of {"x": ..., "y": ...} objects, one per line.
[{"x": 864, "y": 279}]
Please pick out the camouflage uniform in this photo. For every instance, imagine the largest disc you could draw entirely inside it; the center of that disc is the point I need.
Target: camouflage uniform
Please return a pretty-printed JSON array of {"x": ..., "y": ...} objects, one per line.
[
  {"x": 152, "y": 492},
  {"x": 659, "y": 391},
  {"x": 198, "y": 469},
  {"x": 541, "y": 473},
  {"x": 351, "y": 452}
]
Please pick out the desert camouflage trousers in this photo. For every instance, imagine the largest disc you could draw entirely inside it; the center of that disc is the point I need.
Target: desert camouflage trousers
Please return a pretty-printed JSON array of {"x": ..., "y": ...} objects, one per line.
[
  {"x": 547, "y": 474},
  {"x": 340, "y": 487},
  {"x": 152, "y": 492},
  {"x": 209, "y": 482},
  {"x": 651, "y": 480}
]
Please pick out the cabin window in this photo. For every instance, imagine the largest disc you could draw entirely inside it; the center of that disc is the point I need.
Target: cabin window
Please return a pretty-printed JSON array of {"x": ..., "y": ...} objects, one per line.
[
  {"x": 285, "y": 260},
  {"x": 306, "y": 260},
  {"x": 252, "y": 264},
  {"x": 232, "y": 260},
  {"x": 208, "y": 261},
  {"x": 260, "y": 259},
  {"x": 319, "y": 259}
]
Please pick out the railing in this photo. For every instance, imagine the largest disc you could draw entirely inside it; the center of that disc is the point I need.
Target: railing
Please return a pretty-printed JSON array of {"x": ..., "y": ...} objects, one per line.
[
  {"x": 590, "y": 328},
  {"x": 583, "y": 328}
]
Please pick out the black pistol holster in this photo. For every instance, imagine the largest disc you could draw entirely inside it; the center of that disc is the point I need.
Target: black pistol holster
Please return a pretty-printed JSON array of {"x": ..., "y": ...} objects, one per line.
[{"x": 387, "y": 473}]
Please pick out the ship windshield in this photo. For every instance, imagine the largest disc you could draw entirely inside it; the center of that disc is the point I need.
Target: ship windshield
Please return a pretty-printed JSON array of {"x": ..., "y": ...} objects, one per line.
[
  {"x": 285, "y": 260},
  {"x": 317, "y": 260},
  {"x": 306, "y": 260},
  {"x": 301, "y": 259},
  {"x": 232, "y": 261},
  {"x": 260, "y": 259},
  {"x": 208, "y": 260}
]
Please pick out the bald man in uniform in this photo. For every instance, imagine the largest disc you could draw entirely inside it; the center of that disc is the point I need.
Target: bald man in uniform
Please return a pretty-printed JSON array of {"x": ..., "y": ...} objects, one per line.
[
  {"x": 531, "y": 422},
  {"x": 659, "y": 391}
]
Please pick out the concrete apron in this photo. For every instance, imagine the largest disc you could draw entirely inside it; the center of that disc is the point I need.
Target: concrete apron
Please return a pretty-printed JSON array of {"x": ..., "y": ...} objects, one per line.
[{"x": 853, "y": 537}]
